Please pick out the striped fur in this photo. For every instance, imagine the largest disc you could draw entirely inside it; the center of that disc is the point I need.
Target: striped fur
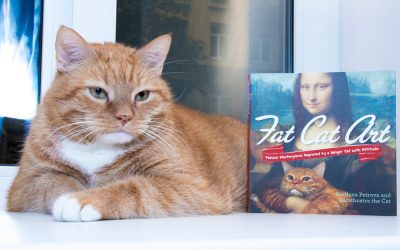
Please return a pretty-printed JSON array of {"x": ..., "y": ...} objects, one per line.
[
  {"x": 179, "y": 161},
  {"x": 303, "y": 190}
]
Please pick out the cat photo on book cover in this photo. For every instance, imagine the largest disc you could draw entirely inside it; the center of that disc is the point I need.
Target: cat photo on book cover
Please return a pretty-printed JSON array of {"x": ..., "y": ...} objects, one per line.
[
  {"x": 310, "y": 115},
  {"x": 109, "y": 142}
]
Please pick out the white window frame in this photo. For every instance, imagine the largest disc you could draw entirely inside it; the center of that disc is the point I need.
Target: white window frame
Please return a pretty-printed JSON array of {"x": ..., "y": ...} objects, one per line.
[{"x": 316, "y": 35}]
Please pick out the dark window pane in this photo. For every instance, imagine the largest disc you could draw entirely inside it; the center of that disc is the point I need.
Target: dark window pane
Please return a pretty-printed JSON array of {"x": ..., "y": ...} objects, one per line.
[
  {"x": 214, "y": 46},
  {"x": 218, "y": 28}
]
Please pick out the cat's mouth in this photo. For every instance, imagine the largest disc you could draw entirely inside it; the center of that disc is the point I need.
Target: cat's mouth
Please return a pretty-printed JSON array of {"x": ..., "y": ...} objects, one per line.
[{"x": 295, "y": 192}]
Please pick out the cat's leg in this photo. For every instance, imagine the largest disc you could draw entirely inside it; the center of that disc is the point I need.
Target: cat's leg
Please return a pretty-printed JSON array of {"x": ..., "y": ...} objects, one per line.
[
  {"x": 144, "y": 196},
  {"x": 37, "y": 191},
  {"x": 276, "y": 200}
]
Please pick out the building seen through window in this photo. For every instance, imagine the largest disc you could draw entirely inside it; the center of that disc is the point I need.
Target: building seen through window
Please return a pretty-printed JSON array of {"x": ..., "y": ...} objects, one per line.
[{"x": 216, "y": 44}]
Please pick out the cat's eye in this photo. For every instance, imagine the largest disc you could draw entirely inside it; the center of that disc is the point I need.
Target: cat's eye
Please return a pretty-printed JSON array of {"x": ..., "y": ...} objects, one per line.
[
  {"x": 306, "y": 179},
  {"x": 290, "y": 177},
  {"x": 142, "y": 96},
  {"x": 98, "y": 93}
]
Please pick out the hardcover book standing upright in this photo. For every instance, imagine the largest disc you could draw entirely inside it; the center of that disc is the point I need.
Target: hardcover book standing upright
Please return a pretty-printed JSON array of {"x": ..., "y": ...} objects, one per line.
[{"x": 323, "y": 143}]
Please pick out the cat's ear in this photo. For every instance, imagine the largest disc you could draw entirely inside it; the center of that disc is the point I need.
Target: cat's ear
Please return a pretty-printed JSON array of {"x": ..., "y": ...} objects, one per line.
[
  {"x": 286, "y": 166},
  {"x": 155, "y": 52},
  {"x": 71, "y": 49},
  {"x": 320, "y": 169}
]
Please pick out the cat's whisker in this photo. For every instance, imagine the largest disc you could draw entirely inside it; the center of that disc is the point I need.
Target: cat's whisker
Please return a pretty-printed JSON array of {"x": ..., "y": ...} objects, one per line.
[
  {"x": 94, "y": 132},
  {"x": 175, "y": 135},
  {"x": 75, "y": 129},
  {"x": 177, "y": 61},
  {"x": 176, "y": 99},
  {"x": 169, "y": 146},
  {"x": 76, "y": 133},
  {"x": 157, "y": 144},
  {"x": 169, "y": 73},
  {"x": 76, "y": 124},
  {"x": 152, "y": 139},
  {"x": 159, "y": 140},
  {"x": 97, "y": 133},
  {"x": 78, "y": 128}
]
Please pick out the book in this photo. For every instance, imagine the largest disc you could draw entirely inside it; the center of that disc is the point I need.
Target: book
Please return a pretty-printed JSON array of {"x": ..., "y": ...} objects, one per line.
[{"x": 323, "y": 143}]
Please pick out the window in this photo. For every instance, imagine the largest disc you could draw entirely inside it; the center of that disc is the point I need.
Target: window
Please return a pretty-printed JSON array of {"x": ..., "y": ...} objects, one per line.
[
  {"x": 19, "y": 73},
  {"x": 218, "y": 41}
]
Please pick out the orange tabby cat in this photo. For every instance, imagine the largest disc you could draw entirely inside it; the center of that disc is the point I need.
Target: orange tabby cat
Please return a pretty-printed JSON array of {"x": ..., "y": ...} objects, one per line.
[
  {"x": 108, "y": 142},
  {"x": 309, "y": 185}
]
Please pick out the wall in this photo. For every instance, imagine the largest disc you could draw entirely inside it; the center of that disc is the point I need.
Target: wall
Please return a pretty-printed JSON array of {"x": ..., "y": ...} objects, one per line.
[
  {"x": 370, "y": 35},
  {"x": 316, "y": 35},
  {"x": 347, "y": 35}
]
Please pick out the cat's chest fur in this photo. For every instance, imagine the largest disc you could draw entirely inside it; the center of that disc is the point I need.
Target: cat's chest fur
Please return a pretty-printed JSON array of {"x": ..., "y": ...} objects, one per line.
[{"x": 89, "y": 158}]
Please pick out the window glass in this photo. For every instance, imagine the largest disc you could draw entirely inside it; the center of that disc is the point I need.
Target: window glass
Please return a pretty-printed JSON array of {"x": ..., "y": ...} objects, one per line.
[
  {"x": 20, "y": 24},
  {"x": 216, "y": 44}
]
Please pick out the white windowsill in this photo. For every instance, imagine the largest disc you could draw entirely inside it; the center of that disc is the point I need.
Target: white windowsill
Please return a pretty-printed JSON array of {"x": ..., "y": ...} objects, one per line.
[{"x": 236, "y": 231}]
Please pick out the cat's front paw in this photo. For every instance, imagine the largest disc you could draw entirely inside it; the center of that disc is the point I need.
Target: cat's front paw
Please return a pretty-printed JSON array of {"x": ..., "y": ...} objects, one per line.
[{"x": 68, "y": 208}]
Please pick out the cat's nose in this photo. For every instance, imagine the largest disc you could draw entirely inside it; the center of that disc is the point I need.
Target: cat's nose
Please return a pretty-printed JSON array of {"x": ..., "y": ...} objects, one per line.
[
  {"x": 124, "y": 118},
  {"x": 123, "y": 113},
  {"x": 295, "y": 182}
]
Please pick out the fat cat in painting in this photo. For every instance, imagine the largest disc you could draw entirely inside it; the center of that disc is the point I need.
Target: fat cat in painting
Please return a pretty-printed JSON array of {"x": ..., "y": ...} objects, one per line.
[
  {"x": 108, "y": 142},
  {"x": 309, "y": 185}
]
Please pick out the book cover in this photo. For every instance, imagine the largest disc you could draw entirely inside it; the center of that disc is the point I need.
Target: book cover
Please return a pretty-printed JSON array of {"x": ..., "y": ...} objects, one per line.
[{"x": 323, "y": 143}]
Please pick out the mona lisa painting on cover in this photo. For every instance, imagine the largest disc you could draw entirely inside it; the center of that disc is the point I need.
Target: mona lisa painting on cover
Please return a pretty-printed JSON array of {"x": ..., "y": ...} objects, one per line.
[{"x": 323, "y": 143}]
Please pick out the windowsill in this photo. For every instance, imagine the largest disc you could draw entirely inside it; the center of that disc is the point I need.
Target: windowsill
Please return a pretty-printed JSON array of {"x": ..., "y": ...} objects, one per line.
[{"x": 236, "y": 231}]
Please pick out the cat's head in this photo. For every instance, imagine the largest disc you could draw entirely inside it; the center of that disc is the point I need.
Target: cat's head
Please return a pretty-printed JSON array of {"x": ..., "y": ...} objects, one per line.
[
  {"x": 106, "y": 93},
  {"x": 303, "y": 182}
]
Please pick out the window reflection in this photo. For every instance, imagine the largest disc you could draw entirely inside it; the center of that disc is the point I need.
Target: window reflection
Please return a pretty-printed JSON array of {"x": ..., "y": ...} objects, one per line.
[{"x": 216, "y": 43}]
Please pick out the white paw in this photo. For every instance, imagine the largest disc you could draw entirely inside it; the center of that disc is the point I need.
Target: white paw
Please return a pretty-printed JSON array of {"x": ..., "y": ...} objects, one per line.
[
  {"x": 89, "y": 213},
  {"x": 66, "y": 208}
]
